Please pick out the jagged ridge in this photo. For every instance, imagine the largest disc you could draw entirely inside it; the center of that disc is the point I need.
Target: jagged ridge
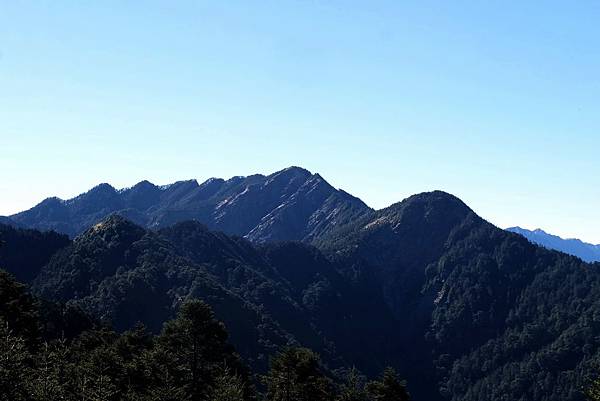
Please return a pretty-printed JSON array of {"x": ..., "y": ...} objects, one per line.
[{"x": 292, "y": 204}]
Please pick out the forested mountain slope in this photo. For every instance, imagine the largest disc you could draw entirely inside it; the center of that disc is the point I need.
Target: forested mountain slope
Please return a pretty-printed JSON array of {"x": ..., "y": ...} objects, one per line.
[
  {"x": 68, "y": 356},
  {"x": 464, "y": 310},
  {"x": 24, "y": 252},
  {"x": 495, "y": 316},
  {"x": 123, "y": 273}
]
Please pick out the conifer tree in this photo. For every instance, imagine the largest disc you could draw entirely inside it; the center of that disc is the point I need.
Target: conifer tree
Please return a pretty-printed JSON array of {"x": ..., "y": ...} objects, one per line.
[
  {"x": 100, "y": 371},
  {"x": 13, "y": 365},
  {"x": 166, "y": 388},
  {"x": 194, "y": 345},
  {"x": 354, "y": 388},
  {"x": 295, "y": 375},
  {"x": 19, "y": 309},
  {"x": 49, "y": 380},
  {"x": 228, "y": 387},
  {"x": 593, "y": 392},
  {"x": 388, "y": 388}
]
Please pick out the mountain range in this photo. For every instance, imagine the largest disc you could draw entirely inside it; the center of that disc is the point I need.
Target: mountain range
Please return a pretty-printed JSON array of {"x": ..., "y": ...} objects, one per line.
[
  {"x": 291, "y": 204},
  {"x": 462, "y": 309},
  {"x": 587, "y": 252}
]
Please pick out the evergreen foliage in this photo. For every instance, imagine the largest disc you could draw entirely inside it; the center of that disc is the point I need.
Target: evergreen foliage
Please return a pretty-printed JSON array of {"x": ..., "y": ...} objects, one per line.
[
  {"x": 462, "y": 310},
  {"x": 190, "y": 360},
  {"x": 25, "y": 252},
  {"x": 14, "y": 358},
  {"x": 593, "y": 391},
  {"x": 388, "y": 388},
  {"x": 296, "y": 375},
  {"x": 353, "y": 387}
]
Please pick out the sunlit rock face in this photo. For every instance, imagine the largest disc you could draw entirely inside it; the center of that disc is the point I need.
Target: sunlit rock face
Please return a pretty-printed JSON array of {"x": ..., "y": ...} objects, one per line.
[{"x": 292, "y": 204}]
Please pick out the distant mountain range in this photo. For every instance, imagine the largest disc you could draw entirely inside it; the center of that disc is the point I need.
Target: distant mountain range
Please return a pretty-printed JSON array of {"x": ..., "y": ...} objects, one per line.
[
  {"x": 583, "y": 250},
  {"x": 8, "y": 221},
  {"x": 291, "y": 204},
  {"x": 464, "y": 310}
]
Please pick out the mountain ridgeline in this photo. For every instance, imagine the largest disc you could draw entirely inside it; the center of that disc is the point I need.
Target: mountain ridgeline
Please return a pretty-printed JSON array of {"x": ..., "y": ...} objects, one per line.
[
  {"x": 292, "y": 204},
  {"x": 587, "y": 252},
  {"x": 461, "y": 309}
]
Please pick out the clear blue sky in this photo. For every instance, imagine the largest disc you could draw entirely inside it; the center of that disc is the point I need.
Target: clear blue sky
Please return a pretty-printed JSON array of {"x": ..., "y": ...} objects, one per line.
[{"x": 495, "y": 102}]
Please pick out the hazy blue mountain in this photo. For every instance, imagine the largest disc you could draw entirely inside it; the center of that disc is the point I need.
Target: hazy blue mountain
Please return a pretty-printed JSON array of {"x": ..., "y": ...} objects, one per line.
[
  {"x": 583, "y": 250},
  {"x": 292, "y": 204},
  {"x": 8, "y": 221}
]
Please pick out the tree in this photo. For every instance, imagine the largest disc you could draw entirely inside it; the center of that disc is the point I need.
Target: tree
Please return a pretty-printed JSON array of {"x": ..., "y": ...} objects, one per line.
[
  {"x": 195, "y": 345},
  {"x": 99, "y": 375},
  {"x": 388, "y": 388},
  {"x": 228, "y": 387},
  {"x": 135, "y": 348},
  {"x": 18, "y": 309},
  {"x": 354, "y": 388},
  {"x": 593, "y": 392},
  {"x": 49, "y": 379},
  {"x": 13, "y": 365},
  {"x": 164, "y": 387},
  {"x": 295, "y": 375}
]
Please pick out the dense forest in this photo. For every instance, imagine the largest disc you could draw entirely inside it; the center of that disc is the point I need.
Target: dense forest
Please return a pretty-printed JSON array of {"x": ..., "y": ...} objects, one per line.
[
  {"x": 462, "y": 310},
  {"x": 52, "y": 352}
]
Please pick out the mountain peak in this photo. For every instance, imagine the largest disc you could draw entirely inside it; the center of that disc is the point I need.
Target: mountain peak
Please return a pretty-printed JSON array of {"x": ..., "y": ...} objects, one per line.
[
  {"x": 141, "y": 188},
  {"x": 429, "y": 202},
  {"x": 114, "y": 227},
  {"x": 52, "y": 200},
  {"x": 436, "y": 195},
  {"x": 103, "y": 187},
  {"x": 212, "y": 181},
  {"x": 184, "y": 183},
  {"x": 297, "y": 170},
  {"x": 102, "y": 191},
  {"x": 114, "y": 220},
  {"x": 144, "y": 184},
  {"x": 290, "y": 173}
]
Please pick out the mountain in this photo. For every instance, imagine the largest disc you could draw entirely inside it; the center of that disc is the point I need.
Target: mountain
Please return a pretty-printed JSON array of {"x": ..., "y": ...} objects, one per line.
[
  {"x": 268, "y": 296},
  {"x": 292, "y": 204},
  {"x": 487, "y": 314},
  {"x": 464, "y": 310},
  {"x": 7, "y": 221},
  {"x": 24, "y": 252},
  {"x": 583, "y": 250}
]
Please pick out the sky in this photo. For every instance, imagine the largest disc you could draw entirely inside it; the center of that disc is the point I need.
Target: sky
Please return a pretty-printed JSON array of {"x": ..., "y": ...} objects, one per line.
[{"x": 495, "y": 102}]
